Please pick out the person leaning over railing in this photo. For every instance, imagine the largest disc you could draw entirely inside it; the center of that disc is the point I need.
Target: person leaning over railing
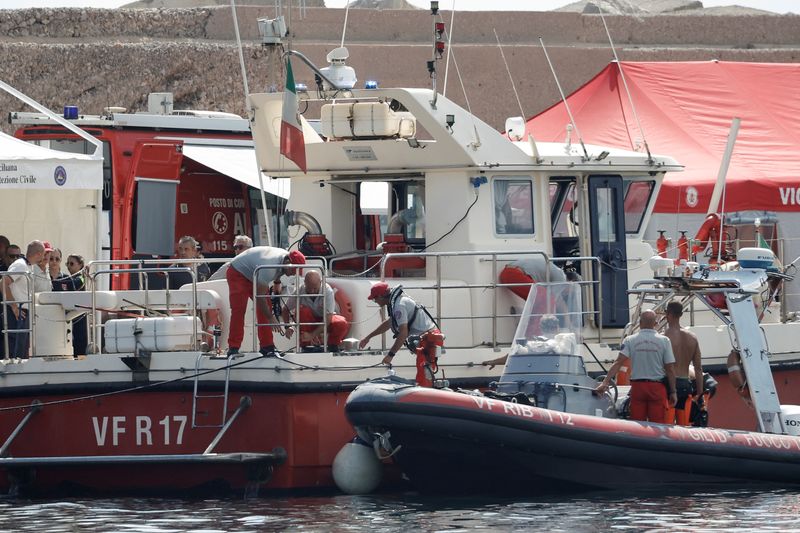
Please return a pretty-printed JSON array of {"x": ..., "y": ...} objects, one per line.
[
  {"x": 408, "y": 319},
  {"x": 240, "y": 275}
]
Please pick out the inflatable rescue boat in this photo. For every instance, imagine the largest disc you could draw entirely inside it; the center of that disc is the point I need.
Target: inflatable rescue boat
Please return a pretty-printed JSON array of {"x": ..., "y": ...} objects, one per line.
[{"x": 543, "y": 427}]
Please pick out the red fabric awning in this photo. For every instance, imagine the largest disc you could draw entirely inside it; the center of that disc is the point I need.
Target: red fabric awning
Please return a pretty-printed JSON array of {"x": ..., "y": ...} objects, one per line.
[{"x": 686, "y": 109}]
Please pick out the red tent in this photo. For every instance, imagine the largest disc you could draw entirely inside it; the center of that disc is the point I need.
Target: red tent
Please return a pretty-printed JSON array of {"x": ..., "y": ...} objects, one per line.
[{"x": 686, "y": 109}]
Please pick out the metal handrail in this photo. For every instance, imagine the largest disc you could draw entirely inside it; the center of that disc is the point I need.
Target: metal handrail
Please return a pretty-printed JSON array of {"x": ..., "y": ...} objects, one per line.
[
  {"x": 323, "y": 269},
  {"x": 97, "y": 326},
  {"x": 493, "y": 256}
]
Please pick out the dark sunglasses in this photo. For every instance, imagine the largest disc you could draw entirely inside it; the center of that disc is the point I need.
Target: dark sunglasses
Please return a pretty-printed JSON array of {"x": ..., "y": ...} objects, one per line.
[{"x": 239, "y": 246}]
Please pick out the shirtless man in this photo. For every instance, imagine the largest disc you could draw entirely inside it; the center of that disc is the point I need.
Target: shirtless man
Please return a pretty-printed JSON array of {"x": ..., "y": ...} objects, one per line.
[{"x": 686, "y": 350}]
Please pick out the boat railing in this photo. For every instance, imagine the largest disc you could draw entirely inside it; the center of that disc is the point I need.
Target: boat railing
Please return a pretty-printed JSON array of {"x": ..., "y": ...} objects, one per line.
[
  {"x": 365, "y": 260},
  {"x": 145, "y": 307},
  {"x": 293, "y": 301},
  {"x": 497, "y": 259},
  {"x": 656, "y": 294},
  {"x": 143, "y": 268},
  {"x": 30, "y": 302},
  {"x": 736, "y": 244},
  {"x": 152, "y": 302}
]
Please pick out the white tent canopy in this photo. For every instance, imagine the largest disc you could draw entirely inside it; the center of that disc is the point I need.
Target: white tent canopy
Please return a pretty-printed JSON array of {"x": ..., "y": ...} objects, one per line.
[
  {"x": 26, "y": 166},
  {"x": 51, "y": 195}
]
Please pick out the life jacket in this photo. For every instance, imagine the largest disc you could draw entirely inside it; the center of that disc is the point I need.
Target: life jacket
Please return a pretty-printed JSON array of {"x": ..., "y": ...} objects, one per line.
[{"x": 394, "y": 296}]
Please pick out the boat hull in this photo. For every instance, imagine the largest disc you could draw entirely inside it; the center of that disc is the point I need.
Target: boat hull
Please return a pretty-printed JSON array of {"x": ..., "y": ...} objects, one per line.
[
  {"x": 145, "y": 442},
  {"x": 452, "y": 441}
]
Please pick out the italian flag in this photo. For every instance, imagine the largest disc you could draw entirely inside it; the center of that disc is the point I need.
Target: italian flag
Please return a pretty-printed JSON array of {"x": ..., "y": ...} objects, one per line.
[
  {"x": 293, "y": 145},
  {"x": 762, "y": 242}
]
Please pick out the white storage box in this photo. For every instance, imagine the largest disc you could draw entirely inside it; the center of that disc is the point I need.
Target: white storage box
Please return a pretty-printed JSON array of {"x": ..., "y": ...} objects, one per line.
[
  {"x": 336, "y": 120},
  {"x": 375, "y": 119},
  {"x": 366, "y": 119},
  {"x": 157, "y": 334}
]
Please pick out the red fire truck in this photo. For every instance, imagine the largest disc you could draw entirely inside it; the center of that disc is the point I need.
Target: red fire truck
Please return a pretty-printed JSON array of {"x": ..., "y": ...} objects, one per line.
[{"x": 169, "y": 173}]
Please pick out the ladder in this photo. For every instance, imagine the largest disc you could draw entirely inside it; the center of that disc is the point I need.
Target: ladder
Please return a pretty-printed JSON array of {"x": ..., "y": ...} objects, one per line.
[
  {"x": 742, "y": 321},
  {"x": 754, "y": 353},
  {"x": 198, "y": 397}
]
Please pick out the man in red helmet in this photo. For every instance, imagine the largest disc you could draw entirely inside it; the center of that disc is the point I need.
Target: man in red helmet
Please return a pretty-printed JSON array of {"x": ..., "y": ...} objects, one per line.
[
  {"x": 240, "y": 274},
  {"x": 408, "y": 321}
]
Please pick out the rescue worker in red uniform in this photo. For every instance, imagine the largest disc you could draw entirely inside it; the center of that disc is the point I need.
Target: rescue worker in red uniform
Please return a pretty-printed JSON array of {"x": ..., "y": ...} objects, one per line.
[
  {"x": 520, "y": 275},
  {"x": 408, "y": 320},
  {"x": 311, "y": 313},
  {"x": 240, "y": 289},
  {"x": 651, "y": 360}
]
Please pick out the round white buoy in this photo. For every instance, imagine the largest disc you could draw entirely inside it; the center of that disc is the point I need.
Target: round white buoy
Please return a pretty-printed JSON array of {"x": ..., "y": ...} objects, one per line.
[{"x": 356, "y": 470}]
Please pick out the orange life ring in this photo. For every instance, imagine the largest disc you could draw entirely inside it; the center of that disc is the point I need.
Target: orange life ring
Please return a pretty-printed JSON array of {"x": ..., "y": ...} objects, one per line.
[
  {"x": 709, "y": 233},
  {"x": 344, "y": 303}
]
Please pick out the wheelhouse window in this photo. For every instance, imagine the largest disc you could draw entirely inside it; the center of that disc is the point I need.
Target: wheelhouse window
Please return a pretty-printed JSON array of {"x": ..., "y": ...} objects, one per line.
[
  {"x": 562, "y": 203},
  {"x": 637, "y": 198},
  {"x": 415, "y": 203},
  {"x": 513, "y": 206},
  {"x": 154, "y": 205},
  {"x": 606, "y": 209}
]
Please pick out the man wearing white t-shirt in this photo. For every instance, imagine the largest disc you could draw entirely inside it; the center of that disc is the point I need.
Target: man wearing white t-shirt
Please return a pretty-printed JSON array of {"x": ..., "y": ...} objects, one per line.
[
  {"x": 17, "y": 291},
  {"x": 652, "y": 361}
]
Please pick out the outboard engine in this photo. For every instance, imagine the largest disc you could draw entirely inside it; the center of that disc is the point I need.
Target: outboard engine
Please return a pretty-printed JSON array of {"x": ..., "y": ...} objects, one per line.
[{"x": 791, "y": 419}]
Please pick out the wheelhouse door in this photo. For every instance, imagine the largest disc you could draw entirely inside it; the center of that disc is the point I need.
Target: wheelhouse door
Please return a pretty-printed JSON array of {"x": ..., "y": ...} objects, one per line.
[{"x": 608, "y": 243}]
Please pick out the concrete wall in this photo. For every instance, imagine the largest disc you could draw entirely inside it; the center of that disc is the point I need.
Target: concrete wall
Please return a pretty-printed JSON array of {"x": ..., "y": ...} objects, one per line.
[{"x": 95, "y": 58}]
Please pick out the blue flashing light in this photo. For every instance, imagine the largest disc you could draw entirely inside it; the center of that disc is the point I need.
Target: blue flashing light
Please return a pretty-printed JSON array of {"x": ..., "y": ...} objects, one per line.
[
  {"x": 71, "y": 112},
  {"x": 300, "y": 87},
  {"x": 371, "y": 84}
]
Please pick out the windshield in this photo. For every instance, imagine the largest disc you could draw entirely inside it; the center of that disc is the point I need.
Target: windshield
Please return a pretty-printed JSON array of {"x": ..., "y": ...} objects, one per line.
[{"x": 551, "y": 320}]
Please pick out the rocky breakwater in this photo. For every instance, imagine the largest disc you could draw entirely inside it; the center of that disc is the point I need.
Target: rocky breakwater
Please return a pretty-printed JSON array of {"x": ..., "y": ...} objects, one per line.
[{"x": 94, "y": 58}]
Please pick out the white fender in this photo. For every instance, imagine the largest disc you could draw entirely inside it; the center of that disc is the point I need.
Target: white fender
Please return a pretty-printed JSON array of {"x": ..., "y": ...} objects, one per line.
[{"x": 356, "y": 469}]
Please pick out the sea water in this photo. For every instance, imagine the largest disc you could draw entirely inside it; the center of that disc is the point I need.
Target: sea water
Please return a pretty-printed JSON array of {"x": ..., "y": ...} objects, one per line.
[{"x": 731, "y": 510}]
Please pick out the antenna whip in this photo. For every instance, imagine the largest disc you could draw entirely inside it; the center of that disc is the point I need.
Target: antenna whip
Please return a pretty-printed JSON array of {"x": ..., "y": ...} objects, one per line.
[
  {"x": 627, "y": 91},
  {"x": 564, "y": 99},
  {"x": 508, "y": 71}
]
